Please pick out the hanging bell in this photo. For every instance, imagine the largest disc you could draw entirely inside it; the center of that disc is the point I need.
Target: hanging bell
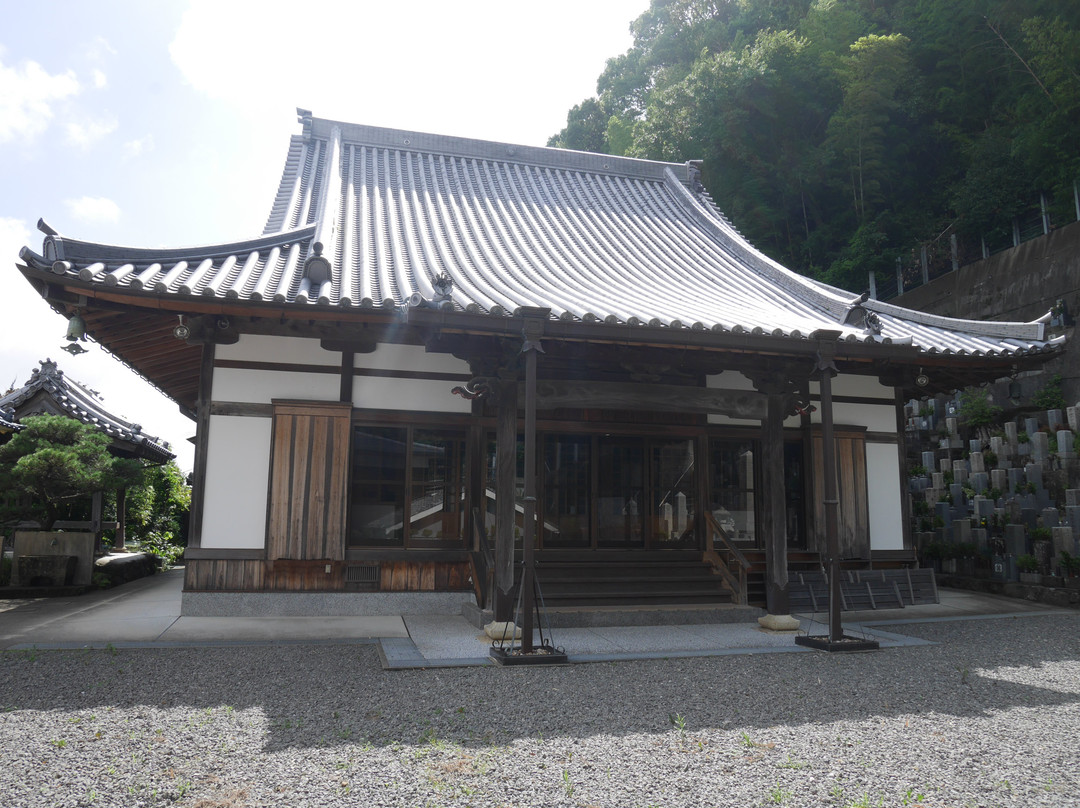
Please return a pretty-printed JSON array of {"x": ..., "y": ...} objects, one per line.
[{"x": 76, "y": 329}]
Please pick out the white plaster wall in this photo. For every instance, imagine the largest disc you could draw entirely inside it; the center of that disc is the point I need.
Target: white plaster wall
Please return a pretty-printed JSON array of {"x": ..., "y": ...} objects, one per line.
[
  {"x": 237, "y": 476},
  {"x": 883, "y": 495},
  {"x": 410, "y": 357},
  {"x": 850, "y": 385},
  {"x": 733, "y": 380},
  {"x": 426, "y": 395},
  {"x": 873, "y": 417},
  {"x": 260, "y": 386},
  {"x": 290, "y": 350}
]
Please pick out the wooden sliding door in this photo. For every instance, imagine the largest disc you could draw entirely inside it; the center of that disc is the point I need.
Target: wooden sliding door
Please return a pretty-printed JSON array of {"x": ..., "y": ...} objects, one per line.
[{"x": 308, "y": 480}]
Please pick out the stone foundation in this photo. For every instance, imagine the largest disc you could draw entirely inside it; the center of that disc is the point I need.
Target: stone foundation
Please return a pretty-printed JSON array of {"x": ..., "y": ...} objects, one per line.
[{"x": 321, "y": 604}]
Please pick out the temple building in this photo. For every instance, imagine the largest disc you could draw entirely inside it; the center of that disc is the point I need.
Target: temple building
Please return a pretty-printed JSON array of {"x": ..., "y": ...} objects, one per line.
[{"x": 422, "y": 313}]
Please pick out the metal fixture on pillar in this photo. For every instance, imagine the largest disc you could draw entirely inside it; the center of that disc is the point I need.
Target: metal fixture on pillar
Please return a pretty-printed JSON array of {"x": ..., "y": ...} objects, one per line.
[
  {"x": 183, "y": 330},
  {"x": 836, "y": 640},
  {"x": 530, "y": 600}
]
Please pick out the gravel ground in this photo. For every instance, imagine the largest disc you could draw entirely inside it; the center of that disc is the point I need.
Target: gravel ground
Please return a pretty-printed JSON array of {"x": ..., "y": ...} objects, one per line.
[{"x": 988, "y": 718}]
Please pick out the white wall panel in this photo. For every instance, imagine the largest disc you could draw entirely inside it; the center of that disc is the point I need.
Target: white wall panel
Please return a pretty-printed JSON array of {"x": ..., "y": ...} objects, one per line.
[
  {"x": 874, "y": 418},
  {"x": 290, "y": 350},
  {"x": 869, "y": 386},
  {"x": 883, "y": 495},
  {"x": 237, "y": 473},
  {"x": 260, "y": 386},
  {"x": 373, "y": 392},
  {"x": 733, "y": 380},
  {"x": 410, "y": 357}
]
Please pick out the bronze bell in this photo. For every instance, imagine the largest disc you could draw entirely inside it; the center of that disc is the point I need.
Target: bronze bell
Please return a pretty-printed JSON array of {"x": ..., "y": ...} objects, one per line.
[{"x": 76, "y": 328}]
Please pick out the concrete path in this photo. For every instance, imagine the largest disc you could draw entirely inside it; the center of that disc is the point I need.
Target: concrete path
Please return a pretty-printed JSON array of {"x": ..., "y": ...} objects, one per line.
[{"x": 146, "y": 614}]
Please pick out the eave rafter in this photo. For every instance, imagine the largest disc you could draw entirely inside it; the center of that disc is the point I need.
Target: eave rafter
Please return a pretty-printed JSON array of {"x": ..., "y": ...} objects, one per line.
[{"x": 137, "y": 326}]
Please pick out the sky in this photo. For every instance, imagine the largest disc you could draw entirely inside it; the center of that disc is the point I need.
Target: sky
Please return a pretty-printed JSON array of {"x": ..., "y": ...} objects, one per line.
[{"x": 166, "y": 123}]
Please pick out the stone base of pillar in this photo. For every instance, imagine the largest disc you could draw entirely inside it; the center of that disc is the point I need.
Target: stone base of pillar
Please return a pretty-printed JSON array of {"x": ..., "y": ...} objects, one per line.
[
  {"x": 779, "y": 622},
  {"x": 502, "y": 631}
]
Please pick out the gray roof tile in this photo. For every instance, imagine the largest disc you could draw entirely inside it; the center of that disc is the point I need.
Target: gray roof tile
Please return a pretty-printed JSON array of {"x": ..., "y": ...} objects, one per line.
[{"x": 592, "y": 237}]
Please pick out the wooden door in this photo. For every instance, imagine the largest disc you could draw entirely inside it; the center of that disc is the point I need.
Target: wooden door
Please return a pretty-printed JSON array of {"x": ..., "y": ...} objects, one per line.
[
  {"x": 854, "y": 512},
  {"x": 309, "y": 466}
]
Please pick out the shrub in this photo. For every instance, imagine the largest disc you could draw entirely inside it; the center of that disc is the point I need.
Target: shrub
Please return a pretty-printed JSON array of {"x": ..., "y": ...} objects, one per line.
[
  {"x": 161, "y": 547},
  {"x": 1069, "y": 563},
  {"x": 1027, "y": 563},
  {"x": 1050, "y": 396},
  {"x": 976, "y": 411}
]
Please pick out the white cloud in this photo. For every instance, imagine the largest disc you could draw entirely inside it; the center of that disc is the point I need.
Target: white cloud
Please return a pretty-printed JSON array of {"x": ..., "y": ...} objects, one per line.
[
  {"x": 89, "y": 131},
  {"x": 100, "y": 79},
  {"x": 453, "y": 68},
  {"x": 94, "y": 209},
  {"x": 139, "y": 146},
  {"x": 99, "y": 49},
  {"x": 27, "y": 93}
]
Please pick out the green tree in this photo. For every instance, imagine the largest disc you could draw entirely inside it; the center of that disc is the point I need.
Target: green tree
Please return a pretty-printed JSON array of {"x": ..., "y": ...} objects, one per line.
[
  {"x": 864, "y": 133},
  {"x": 54, "y": 460},
  {"x": 839, "y": 135},
  {"x": 977, "y": 412},
  {"x": 160, "y": 504}
]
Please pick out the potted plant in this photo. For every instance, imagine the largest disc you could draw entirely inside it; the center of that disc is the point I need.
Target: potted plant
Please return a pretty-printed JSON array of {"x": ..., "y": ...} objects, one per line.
[
  {"x": 52, "y": 461},
  {"x": 1029, "y": 569}
]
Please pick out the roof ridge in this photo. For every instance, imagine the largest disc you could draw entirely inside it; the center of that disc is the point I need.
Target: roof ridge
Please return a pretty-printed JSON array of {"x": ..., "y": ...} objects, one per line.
[
  {"x": 718, "y": 225},
  {"x": 474, "y": 148},
  {"x": 58, "y": 248}
]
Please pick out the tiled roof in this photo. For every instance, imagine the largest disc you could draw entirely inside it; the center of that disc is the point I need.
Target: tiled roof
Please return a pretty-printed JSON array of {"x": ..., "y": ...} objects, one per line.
[
  {"x": 8, "y": 423},
  {"x": 77, "y": 401},
  {"x": 368, "y": 218}
]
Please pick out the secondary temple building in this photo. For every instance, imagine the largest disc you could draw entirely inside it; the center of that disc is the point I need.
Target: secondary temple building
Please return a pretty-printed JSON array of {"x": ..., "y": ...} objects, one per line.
[{"x": 358, "y": 373}]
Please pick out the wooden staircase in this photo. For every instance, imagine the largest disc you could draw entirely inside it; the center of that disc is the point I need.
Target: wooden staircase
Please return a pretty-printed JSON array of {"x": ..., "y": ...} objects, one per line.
[{"x": 628, "y": 578}]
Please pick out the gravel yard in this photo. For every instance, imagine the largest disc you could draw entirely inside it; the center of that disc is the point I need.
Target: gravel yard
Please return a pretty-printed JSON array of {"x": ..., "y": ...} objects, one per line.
[{"x": 989, "y": 717}]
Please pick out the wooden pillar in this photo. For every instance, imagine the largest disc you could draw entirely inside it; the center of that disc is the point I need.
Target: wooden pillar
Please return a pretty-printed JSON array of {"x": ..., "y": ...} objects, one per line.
[
  {"x": 95, "y": 520},
  {"x": 202, "y": 443},
  {"x": 121, "y": 513},
  {"x": 505, "y": 505},
  {"x": 826, "y": 370},
  {"x": 905, "y": 500},
  {"x": 345, "y": 391},
  {"x": 774, "y": 512},
  {"x": 531, "y": 347}
]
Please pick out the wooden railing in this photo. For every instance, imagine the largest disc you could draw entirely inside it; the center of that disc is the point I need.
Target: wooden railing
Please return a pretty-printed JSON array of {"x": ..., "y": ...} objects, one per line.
[
  {"x": 482, "y": 561},
  {"x": 727, "y": 561}
]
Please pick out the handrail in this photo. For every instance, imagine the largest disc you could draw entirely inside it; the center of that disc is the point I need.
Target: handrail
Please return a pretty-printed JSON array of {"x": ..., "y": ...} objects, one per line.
[
  {"x": 737, "y": 585},
  {"x": 482, "y": 561},
  {"x": 728, "y": 545}
]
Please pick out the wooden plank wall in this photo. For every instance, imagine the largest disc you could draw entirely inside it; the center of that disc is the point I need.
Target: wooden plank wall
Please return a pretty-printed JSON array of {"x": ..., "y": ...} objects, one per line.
[
  {"x": 284, "y": 575},
  {"x": 308, "y": 474},
  {"x": 854, "y": 517}
]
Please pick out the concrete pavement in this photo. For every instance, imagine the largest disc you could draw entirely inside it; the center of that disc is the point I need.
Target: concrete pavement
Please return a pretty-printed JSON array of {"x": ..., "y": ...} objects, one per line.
[{"x": 146, "y": 614}]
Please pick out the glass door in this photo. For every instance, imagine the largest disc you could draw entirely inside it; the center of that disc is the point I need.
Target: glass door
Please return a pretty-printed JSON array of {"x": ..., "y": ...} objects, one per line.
[
  {"x": 567, "y": 491},
  {"x": 621, "y": 491}
]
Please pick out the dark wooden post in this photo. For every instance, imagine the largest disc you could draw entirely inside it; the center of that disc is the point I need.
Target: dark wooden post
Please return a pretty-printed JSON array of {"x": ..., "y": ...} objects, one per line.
[
  {"x": 96, "y": 507},
  {"x": 534, "y": 327},
  {"x": 121, "y": 514},
  {"x": 826, "y": 370},
  {"x": 202, "y": 444},
  {"x": 505, "y": 506},
  {"x": 774, "y": 514}
]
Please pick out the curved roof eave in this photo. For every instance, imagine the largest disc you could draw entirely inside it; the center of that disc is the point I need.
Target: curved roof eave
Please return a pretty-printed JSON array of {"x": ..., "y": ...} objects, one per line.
[{"x": 366, "y": 219}]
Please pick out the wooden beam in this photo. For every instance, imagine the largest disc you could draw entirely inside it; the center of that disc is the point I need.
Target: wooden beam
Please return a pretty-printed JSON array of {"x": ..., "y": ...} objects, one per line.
[{"x": 746, "y": 404}]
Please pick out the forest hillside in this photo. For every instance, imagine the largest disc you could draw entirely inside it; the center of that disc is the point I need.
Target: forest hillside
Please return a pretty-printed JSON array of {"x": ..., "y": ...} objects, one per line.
[{"x": 841, "y": 136}]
